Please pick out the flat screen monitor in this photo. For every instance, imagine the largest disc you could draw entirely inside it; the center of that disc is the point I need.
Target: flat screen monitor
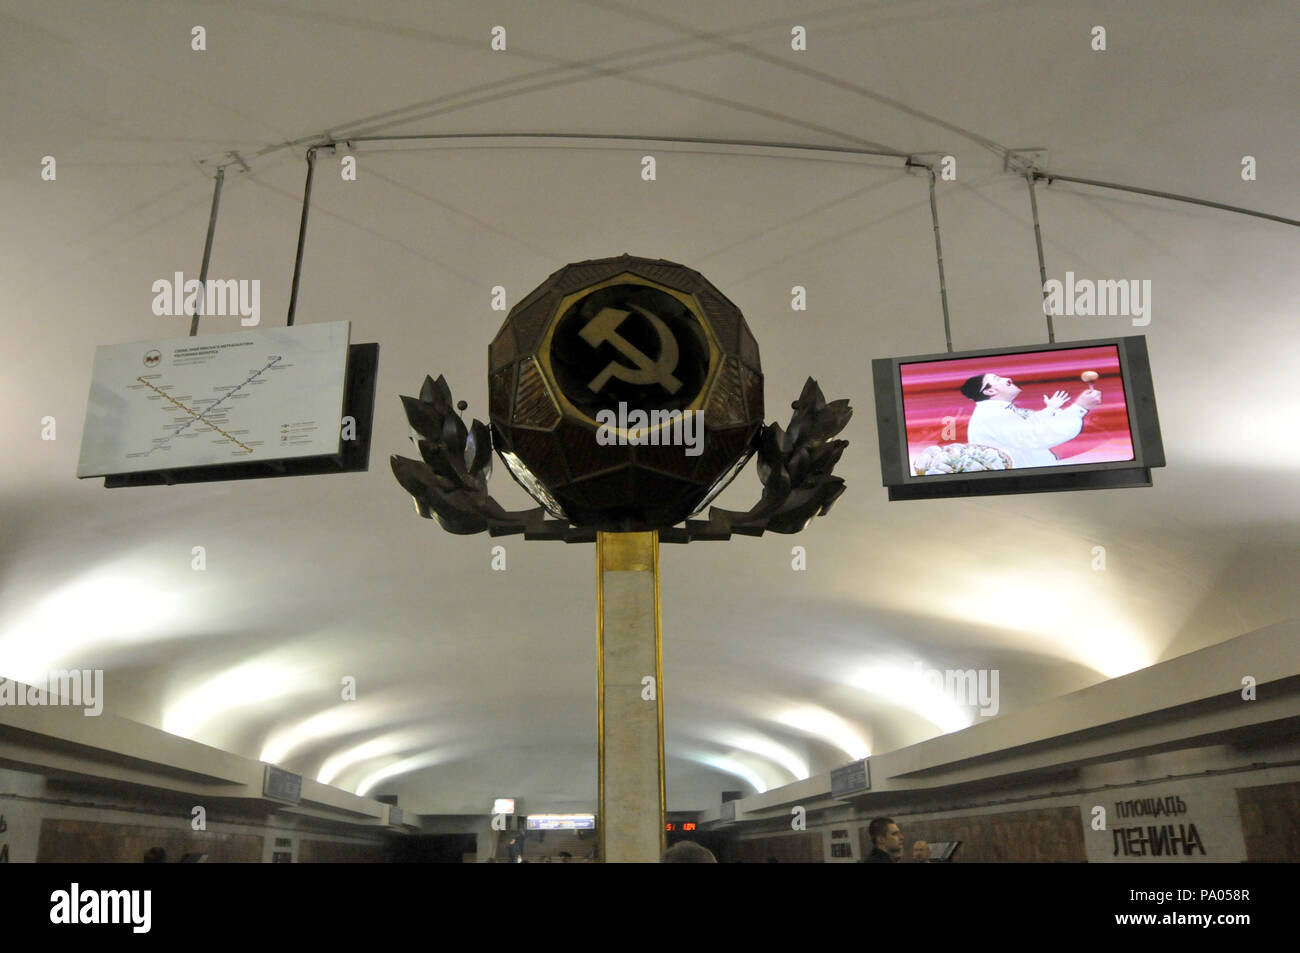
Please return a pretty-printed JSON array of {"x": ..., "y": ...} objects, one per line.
[{"x": 1031, "y": 419}]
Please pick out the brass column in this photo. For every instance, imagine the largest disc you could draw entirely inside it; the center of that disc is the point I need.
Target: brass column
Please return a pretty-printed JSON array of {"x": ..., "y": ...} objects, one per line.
[{"x": 630, "y": 714}]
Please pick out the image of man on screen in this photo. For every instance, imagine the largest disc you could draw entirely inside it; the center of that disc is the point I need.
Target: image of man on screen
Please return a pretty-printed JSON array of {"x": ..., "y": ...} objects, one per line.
[{"x": 1026, "y": 435}]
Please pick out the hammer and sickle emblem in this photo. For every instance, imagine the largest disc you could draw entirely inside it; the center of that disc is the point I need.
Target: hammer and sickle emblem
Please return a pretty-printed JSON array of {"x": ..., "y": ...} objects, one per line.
[{"x": 604, "y": 327}]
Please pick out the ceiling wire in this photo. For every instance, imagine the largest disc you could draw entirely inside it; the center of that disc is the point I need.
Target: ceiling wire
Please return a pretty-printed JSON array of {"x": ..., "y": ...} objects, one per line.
[
  {"x": 199, "y": 305},
  {"x": 1171, "y": 196},
  {"x": 576, "y": 141},
  {"x": 586, "y": 140},
  {"x": 586, "y": 68},
  {"x": 748, "y": 147},
  {"x": 785, "y": 63}
]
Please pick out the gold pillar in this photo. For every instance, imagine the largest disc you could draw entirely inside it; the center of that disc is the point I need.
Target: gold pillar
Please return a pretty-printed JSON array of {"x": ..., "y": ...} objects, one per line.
[{"x": 630, "y": 725}]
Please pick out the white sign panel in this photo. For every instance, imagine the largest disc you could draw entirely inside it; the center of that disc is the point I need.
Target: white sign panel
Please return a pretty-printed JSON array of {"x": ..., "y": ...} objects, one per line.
[
  {"x": 271, "y": 394},
  {"x": 1183, "y": 823},
  {"x": 561, "y": 822}
]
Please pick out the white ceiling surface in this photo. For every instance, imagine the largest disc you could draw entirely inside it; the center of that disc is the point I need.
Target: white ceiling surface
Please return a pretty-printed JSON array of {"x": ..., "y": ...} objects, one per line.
[{"x": 473, "y": 683}]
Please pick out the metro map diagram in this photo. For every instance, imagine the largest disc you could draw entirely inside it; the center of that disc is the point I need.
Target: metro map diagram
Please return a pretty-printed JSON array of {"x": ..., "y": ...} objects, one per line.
[
  {"x": 209, "y": 416},
  {"x": 216, "y": 399}
]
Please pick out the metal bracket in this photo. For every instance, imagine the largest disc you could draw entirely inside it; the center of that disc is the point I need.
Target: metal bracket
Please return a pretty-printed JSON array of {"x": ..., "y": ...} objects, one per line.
[
  {"x": 224, "y": 160},
  {"x": 1025, "y": 161},
  {"x": 336, "y": 146},
  {"x": 923, "y": 160}
]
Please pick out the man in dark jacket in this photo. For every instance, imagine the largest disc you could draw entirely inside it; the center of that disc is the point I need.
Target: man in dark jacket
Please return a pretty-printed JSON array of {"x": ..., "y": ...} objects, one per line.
[{"x": 886, "y": 840}]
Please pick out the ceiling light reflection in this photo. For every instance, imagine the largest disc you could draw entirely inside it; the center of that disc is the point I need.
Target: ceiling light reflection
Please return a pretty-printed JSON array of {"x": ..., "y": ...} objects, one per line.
[
  {"x": 909, "y": 688},
  {"x": 1070, "y": 618},
  {"x": 405, "y": 766},
  {"x": 342, "y": 718},
  {"x": 767, "y": 748},
  {"x": 247, "y": 684},
  {"x": 733, "y": 767},
  {"x": 829, "y": 727},
  {"x": 336, "y": 764},
  {"x": 119, "y": 604}
]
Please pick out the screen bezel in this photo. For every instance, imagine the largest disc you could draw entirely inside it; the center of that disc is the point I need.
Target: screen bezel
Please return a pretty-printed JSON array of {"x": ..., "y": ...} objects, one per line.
[{"x": 1139, "y": 400}]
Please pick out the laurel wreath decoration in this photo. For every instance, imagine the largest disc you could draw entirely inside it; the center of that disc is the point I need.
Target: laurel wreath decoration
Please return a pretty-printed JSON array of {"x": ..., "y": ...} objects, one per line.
[{"x": 450, "y": 481}]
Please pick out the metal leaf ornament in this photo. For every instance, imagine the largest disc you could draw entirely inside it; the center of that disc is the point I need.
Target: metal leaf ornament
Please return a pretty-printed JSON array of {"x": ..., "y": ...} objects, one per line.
[
  {"x": 795, "y": 466},
  {"x": 450, "y": 481},
  {"x": 450, "y": 485}
]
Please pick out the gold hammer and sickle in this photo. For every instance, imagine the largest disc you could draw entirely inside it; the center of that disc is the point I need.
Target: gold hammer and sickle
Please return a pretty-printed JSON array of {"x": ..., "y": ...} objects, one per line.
[{"x": 604, "y": 327}]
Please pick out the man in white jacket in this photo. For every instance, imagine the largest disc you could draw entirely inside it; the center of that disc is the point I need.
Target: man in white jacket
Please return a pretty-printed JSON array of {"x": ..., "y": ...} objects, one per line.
[{"x": 1026, "y": 435}]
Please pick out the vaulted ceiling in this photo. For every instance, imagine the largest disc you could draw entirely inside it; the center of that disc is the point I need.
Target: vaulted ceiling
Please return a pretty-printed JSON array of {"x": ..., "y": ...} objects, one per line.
[{"x": 475, "y": 683}]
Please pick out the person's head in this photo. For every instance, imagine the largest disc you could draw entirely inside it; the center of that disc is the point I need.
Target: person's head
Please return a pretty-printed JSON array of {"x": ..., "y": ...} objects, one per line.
[
  {"x": 990, "y": 386},
  {"x": 886, "y": 836},
  {"x": 155, "y": 855},
  {"x": 688, "y": 852},
  {"x": 921, "y": 852}
]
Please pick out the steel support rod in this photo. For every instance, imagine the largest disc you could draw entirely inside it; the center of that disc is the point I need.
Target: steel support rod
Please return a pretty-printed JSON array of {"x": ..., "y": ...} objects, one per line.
[
  {"x": 1042, "y": 264},
  {"x": 1171, "y": 196},
  {"x": 791, "y": 147},
  {"x": 938, "y": 255},
  {"x": 587, "y": 139},
  {"x": 302, "y": 236},
  {"x": 207, "y": 252}
]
